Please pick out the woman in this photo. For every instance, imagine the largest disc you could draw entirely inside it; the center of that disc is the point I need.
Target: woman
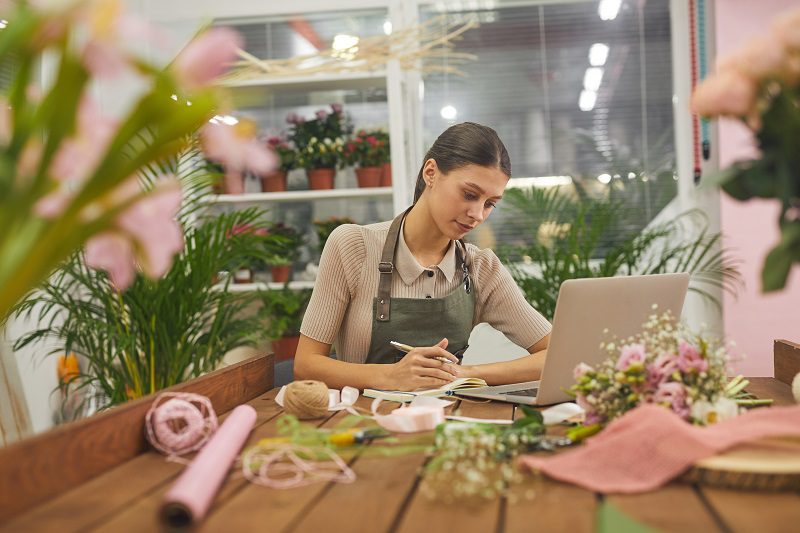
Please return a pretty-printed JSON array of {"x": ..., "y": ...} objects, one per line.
[{"x": 372, "y": 287}]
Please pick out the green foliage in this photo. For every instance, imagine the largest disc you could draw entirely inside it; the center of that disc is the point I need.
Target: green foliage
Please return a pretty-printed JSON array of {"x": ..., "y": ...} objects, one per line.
[
  {"x": 287, "y": 155},
  {"x": 282, "y": 311},
  {"x": 325, "y": 227},
  {"x": 776, "y": 174},
  {"x": 158, "y": 332},
  {"x": 319, "y": 141},
  {"x": 284, "y": 245},
  {"x": 572, "y": 238}
]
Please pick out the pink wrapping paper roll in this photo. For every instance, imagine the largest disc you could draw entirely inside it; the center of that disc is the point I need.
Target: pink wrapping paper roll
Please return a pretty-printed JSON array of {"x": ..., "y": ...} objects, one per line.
[{"x": 190, "y": 497}]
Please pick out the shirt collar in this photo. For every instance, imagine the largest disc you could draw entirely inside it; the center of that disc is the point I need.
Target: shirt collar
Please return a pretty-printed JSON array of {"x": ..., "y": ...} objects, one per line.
[{"x": 409, "y": 268}]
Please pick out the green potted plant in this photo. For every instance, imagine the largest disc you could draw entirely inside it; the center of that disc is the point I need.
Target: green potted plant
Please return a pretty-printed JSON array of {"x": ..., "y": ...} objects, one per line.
[
  {"x": 282, "y": 248},
  {"x": 325, "y": 227},
  {"x": 281, "y": 314},
  {"x": 386, "y": 177},
  {"x": 368, "y": 154},
  {"x": 275, "y": 181},
  {"x": 319, "y": 144}
]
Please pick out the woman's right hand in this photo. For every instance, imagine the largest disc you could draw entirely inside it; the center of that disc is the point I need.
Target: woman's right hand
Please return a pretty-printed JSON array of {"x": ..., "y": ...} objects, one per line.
[{"x": 423, "y": 367}]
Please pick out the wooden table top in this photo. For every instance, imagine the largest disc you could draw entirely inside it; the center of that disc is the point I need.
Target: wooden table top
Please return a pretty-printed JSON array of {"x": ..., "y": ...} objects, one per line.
[{"x": 385, "y": 497}]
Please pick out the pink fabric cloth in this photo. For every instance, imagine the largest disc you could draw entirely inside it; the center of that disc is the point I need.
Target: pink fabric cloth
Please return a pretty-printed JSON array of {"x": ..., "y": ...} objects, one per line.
[{"x": 650, "y": 445}]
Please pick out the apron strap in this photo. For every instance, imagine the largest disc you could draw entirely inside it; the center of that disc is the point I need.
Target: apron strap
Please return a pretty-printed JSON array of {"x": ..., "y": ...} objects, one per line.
[{"x": 386, "y": 267}]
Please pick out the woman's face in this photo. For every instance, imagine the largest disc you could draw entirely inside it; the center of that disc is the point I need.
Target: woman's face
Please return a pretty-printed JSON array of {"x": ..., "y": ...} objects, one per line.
[{"x": 464, "y": 197}]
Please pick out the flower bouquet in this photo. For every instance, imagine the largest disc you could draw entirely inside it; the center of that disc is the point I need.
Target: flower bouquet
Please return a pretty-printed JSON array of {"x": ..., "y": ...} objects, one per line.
[
  {"x": 760, "y": 85},
  {"x": 667, "y": 365},
  {"x": 319, "y": 144},
  {"x": 368, "y": 153},
  {"x": 72, "y": 175}
]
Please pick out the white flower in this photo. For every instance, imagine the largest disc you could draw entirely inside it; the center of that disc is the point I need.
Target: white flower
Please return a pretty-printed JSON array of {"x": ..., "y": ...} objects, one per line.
[{"x": 707, "y": 413}]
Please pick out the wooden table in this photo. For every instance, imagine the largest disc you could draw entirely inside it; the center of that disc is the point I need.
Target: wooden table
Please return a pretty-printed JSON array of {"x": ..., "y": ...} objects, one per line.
[{"x": 385, "y": 497}]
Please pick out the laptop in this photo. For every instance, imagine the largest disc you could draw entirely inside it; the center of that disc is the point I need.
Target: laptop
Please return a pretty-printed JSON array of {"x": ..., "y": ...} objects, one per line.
[{"x": 588, "y": 312}]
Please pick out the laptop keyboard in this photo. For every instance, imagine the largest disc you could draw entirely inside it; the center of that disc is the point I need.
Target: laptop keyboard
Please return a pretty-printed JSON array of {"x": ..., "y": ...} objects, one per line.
[{"x": 525, "y": 392}]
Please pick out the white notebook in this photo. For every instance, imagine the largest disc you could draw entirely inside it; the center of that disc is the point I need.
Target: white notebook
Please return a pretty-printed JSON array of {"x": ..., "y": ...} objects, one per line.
[{"x": 444, "y": 390}]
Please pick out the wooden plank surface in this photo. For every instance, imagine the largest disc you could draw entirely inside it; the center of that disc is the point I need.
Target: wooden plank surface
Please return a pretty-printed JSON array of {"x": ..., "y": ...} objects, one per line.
[
  {"x": 787, "y": 359},
  {"x": 36, "y": 469},
  {"x": 117, "y": 489},
  {"x": 780, "y": 392},
  {"x": 676, "y": 507},
  {"x": 755, "y": 511},
  {"x": 423, "y": 514},
  {"x": 542, "y": 504}
]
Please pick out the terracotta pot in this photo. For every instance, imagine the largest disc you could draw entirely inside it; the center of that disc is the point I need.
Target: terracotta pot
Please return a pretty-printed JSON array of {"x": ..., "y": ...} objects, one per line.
[
  {"x": 321, "y": 178},
  {"x": 369, "y": 176},
  {"x": 233, "y": 184},
  {"x": 386, "y": 178},
  {"x": 274, "y": 181},
  {"x": 280, "y": 274},
  {"x": 285, "y": 347},
  {"x": 243, "y": 275}
]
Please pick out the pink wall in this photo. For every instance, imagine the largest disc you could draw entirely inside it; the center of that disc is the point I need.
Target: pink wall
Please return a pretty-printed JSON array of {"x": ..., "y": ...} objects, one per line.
[{"x": 753, "y": 320}]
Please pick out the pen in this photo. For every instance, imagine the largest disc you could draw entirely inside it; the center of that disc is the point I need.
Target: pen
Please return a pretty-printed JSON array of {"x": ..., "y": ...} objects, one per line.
[{"x": 406, "y": 348}]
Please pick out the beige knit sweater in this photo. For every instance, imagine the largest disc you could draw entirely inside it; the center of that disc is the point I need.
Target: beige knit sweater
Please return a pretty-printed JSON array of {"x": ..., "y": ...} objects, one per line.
[{"x": 340, "y": 309}]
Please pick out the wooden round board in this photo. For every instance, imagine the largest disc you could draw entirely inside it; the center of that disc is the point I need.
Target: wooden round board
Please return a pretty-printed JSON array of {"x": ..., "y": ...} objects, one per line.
[{"x": 765, "y": 465}]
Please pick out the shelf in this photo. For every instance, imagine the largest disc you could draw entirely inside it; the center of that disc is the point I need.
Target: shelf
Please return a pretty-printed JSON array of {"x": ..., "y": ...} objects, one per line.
[
  {"x": 300, "y": 196},
  {"x": 252, "y": 287},
  {"x": 313, "y": 82}
]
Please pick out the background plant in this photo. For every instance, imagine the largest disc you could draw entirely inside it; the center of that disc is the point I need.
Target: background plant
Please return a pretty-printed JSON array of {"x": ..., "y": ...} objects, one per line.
[
  {"x": 281, "y": 311},
  {"x": 571, "y": 238},
  {"x": 283, "y": 245},
  {"x": 367, "y": 149},
  {"x": 287, "y": 155},
  {"x": 325, "y": 227}
]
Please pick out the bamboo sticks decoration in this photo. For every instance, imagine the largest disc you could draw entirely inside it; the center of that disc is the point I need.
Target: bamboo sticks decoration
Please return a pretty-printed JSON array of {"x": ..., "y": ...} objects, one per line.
[{"x": 418, "y": 47}]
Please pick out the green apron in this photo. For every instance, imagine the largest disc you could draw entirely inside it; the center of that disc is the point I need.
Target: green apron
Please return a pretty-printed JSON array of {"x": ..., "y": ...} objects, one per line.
[{"x": 418, "y": 321}]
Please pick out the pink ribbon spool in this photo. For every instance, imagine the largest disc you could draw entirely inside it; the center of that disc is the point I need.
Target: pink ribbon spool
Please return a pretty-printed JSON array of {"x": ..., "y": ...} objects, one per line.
[{"x": 179, "y": 422}]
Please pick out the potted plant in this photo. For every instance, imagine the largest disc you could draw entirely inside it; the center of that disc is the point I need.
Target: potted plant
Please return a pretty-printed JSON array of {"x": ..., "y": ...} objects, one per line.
[
  {"x": 386, "y": 177},
  {"x": 275, "y": 181},
  {"x": 319, "y": 144},
  {"x": 368, "y": 154},
  {"x": 241, "y": 268},
  {"x": 282, "y": 248},
  {"x": 325, "y": 227},
  {"x": 281, "y": 313}
]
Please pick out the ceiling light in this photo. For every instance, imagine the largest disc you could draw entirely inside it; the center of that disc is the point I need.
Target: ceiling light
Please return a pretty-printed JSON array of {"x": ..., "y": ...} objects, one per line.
[
  {"x": 224, "y": 119},
  {"x": 449, "y": 112},
  {"x": 587, "y": 100},
  {"x": 605, "y": 179},
  {"x": 593, "y": 78},
  {"x": 609, "y": 9},
  {"x": 539, "y": 182},
  {"x": 387, "y": 27},
  {"x": 598, "y": 54}
]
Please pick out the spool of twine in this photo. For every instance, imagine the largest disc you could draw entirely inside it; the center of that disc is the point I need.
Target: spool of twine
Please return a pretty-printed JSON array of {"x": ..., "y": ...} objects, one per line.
[
  {"x": 306, "y": 399},
  {"x": 179, "y": 423}
]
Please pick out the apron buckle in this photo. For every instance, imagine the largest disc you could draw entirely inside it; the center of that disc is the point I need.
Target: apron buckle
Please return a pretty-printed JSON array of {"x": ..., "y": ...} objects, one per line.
[{"x": 385, "y": 267}]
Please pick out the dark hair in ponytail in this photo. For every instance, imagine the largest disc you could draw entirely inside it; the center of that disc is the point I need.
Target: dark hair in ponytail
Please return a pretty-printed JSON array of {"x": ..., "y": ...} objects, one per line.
[{"x": 465, "y": 144}]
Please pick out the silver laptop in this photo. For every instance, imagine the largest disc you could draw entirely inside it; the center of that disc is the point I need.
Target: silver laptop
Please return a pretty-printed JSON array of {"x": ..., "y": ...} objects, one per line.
[{"x": 588, "y": 312}]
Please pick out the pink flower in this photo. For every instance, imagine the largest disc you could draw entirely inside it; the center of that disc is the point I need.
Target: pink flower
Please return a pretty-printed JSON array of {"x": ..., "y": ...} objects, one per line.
[
  {"x": 145, "y": 233},
  {"x": 762, "y": 57},
  {"x": 581, "y": 370},
  {"x": 632, "y": 353},
  {"x": 689, "y": 358},
  {"x": 660, "y": 370},
  {"x": 205, "y": 58},
  {"x": 672, "y": 395},
  {"x": 322, "y": 114},
  {"x": 728, "y": 92},
  {"x": 336, "y": 108},
  {"x": 787, "y": 29},
  {"x": 237, "y": 152},
  {"x": 77, "y": 157},
  {"x": 113, "y": 252}
]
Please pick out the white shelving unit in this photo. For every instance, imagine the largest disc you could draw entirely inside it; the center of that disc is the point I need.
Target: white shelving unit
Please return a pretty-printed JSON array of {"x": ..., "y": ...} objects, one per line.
[
  {"x": 295, "y": 196},
  {"x": 251, "y": 287}
]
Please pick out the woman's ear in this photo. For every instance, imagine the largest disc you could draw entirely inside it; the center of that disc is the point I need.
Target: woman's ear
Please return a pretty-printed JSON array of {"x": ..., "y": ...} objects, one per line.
[{"x": 430, "y": 171}]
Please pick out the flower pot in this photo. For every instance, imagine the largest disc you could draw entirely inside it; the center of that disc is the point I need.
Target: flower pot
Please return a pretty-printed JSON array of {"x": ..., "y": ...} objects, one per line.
[
  {"x": 285, "y": 347},
  {"x": 243, "y": 275},
  {"x": 280, "y": 274},
  {"x": 369, "y": 176},
  {"x": 320, "y": 178},
  {"x": 386, "y": 177},
  {"x": 233, "y": 184},
  {"x": 274, "y": 181}
]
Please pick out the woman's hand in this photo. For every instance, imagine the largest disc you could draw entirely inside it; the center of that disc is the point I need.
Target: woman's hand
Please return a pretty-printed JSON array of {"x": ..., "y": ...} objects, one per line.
[{"x": 423, "y": 367}]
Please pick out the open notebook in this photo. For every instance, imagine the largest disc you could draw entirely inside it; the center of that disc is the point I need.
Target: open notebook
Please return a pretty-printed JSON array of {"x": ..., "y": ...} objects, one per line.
[{"x": 444, "y": 390}]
